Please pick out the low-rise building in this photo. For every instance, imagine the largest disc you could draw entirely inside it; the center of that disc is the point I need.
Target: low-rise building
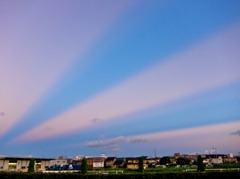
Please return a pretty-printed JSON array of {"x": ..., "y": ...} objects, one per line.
[
  {"x": 214, "y": 159},
  {"x": 59, "y": 162},
  {"x": 109, "y": 162},
  {"x": 98, "y": 162},
  {"x": 153, "y": 162},
  {"x": 230, "y": 159},
  {"x": 95, "y": 162},
  {"x": 21, "y": 163},
  {"x": 120, "y": 163},
  {"x": 132, "y": 162}
]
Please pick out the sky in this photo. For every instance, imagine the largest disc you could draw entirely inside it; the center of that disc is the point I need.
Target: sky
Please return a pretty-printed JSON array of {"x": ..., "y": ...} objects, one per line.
[{"x": 124, "y": 78}]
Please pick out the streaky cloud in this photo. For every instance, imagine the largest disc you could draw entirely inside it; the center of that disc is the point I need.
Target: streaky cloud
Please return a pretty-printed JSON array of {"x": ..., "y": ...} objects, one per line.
[
  {"x": 114, "y": 142},
  {"x": 236, "y": 133},
  {"x": 207, "y": 136},
  {"x": 42, "y": 53},
  {"x": 212, "y": 63}
]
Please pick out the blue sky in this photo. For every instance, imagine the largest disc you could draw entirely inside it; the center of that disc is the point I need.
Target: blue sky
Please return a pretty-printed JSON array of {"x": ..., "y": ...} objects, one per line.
[{"x": 119, "y": 77}]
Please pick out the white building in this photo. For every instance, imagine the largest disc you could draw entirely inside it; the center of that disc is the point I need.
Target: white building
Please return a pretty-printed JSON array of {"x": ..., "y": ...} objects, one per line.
[{"x": 21, "y": 163}]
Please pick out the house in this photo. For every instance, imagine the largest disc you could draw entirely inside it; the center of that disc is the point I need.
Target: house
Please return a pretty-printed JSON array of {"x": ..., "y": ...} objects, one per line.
[
  {"x": 21, "y": 163},
  {"x": 120, "y": 163},
  {"x": 153, "y": 162},
  {"x": 77, "y": 162},
  {"x": 218, "y": 160},
  {"x": 192, "y": 157},
  {"x": 132, "y": 162},
  {"x": 213, "y": 159},
  {"x": 98, "y": 162},
  {"x": 95, "y": 162},
  {"x": 173, "y": 160},
  {"x": 89, "y": 162},
  {"x": 230, "y": 159},
  {"x": 109, "y": 162}
]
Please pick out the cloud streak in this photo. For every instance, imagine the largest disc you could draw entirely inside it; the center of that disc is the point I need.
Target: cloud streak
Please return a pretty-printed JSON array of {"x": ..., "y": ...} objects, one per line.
[
  {"x": 207, "y": 136},
  {"x": 115, "y": 141},
  {"x": 236, "y": 133},
  {"x": 113, "y": 145},
  {"x": 96, "y": 120},
  {"x": 208, "y": 65},
  {"x": 42, "y": 53}
]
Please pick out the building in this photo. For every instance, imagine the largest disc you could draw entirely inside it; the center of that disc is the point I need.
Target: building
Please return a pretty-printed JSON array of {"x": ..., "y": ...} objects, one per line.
[
  {"x": 230, "y": 159},
  {"x": 109, "y": 162},
  {"x": 120, "y": 163},
  {"x": 21, "y": 163},
  {"x": 132, "y": 163},
  {"x": 61, "y": 161},
  {"x": 214, "y": 159},
  {"x": 96, "y": 162},
  {"x": 153, "y": 162}
]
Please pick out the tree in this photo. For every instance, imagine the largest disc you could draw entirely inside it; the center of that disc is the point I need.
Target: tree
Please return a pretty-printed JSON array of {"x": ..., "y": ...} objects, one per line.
[
  {"x": 183, "y": 161},
  {"x": 84, "y": 166},
  {"x": 140, "y": 164},
  {"x": 31, "y": 166},
  {"x": 200, "y": 165},
  {"x": 165, "y": 161}
]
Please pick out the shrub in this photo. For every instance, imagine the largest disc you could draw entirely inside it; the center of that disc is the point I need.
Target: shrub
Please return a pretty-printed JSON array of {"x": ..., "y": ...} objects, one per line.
[
  {"x": 200, "y": 165},
  {"x": 84, "y": 166},
  {"x": 31, "y": 166}
]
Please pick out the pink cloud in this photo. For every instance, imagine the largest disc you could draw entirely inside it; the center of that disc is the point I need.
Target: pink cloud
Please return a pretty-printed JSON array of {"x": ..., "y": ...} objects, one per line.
[
  {"x": 210, "y": 64},
  {"x": 188, "y": 139},
  {"x": 40, "y": 41}
]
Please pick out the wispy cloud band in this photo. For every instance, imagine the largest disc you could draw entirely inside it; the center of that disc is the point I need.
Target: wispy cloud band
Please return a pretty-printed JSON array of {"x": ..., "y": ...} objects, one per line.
[
  {"x": 210, "y": 64},
  {"x": 207, "y": 136}
]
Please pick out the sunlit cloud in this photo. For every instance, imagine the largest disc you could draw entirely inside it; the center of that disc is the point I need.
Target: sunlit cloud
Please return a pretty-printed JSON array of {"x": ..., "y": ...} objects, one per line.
[
  {"x": 208, "y": 65},
  {"x": 200, "y": 138},
  {"x": 211, "y": 131},
  {"x": 35, "y": 51},
  {"x": 197, "y": 137}
]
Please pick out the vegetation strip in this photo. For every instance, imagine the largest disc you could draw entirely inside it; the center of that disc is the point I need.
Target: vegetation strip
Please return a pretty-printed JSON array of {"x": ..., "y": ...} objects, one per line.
[{"x": 188, "y": 175}]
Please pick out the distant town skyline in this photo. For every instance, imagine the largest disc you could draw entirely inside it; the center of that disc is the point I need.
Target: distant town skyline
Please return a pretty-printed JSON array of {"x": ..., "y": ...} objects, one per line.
[{"x": 123, "y": 78}]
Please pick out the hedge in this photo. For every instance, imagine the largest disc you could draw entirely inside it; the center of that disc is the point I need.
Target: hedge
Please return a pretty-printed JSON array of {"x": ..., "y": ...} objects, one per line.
[{"x": 176, "y": 175}]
